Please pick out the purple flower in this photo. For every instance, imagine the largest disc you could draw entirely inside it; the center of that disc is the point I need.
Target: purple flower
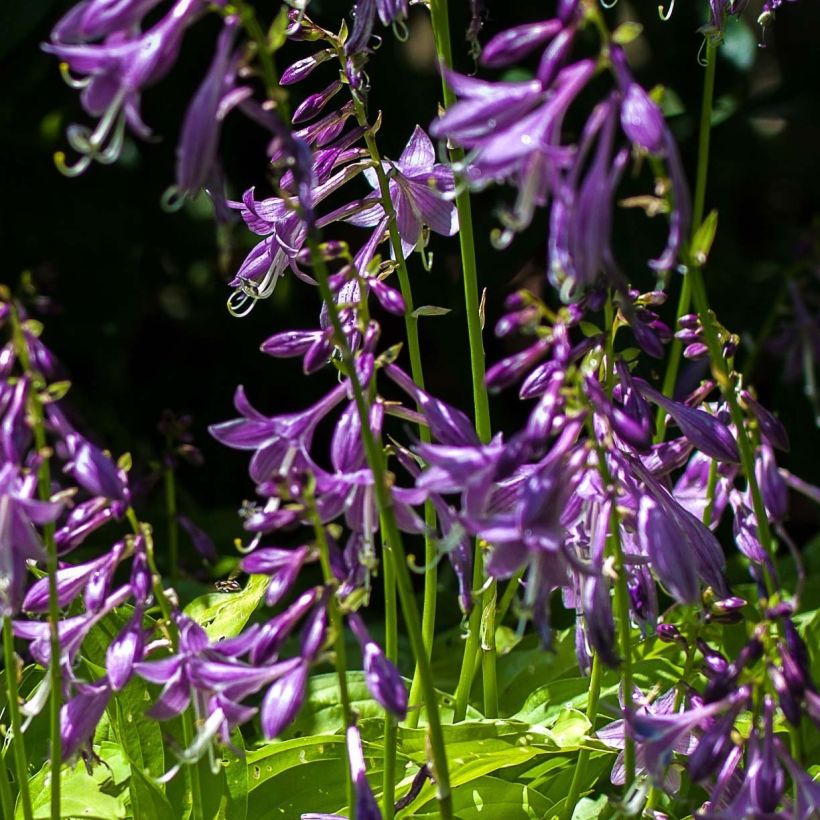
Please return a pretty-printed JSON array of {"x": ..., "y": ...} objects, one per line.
[
  {"x": 365, "y": 12},
  {"x": 382, "y": 677},
  {"x": 19, "y": 540},
  {"x": 421, "y": 192},
  {"x": 283, "y": 700},
  {"x": 95, "y": 19},
  {"x": 95, "y": 472},
  {"x": 113, "y": 76},
  {"x": 196, "y": 150},
  {"x": 366, "y": 806},
  {"x": 282, "y": 565},
  {"x": 80, "y": 715}
]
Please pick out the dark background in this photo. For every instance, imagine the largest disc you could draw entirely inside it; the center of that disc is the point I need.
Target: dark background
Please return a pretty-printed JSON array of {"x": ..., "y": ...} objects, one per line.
[{"x": 138, "y": 294}]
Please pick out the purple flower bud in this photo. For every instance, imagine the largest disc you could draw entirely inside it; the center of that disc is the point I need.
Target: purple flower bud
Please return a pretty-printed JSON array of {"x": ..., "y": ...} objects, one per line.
[
  {"x": 509, "y": 370},
  {"x": 514, "y": 44},
  {"x": 669, "y": 633},
  {"x": 788, "y": 703},
  {"x": 283, "y": 701},
  {"x": 661, "y": 540},
  {"x": 642, "y": 120},
  {"x": 95, "y": 472},
  {"x": 203, "y": 543},
  {"x": 554, "y": 57},
  {"x": 303, "y": 68},
  {"x": 366, "y": 806},
  {"x": 314, "y": 631},
  {"x": 695, "y": 351},
  {"x": 713, "y": 747},
  {"x": 382, "y": 677},
  {"x": 124, "y": 651},
  {"x": 389, "y": 298},
  {"x": 715, "y": 664},
  {"x": 282, "y": 565},
  {"x": 313, "y": 104},
  {"x": 290, "y": 343}
]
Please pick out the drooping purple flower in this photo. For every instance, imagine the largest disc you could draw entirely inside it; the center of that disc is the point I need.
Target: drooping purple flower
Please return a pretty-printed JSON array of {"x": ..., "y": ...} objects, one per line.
[
  {"x": 95, "y": 472},
  {"x": 114, "y": 73},
  {"x": 366, "y": 806},
  {"x": 706, "y": 432},
  {"x": 20, "y": 511},
  {"x": 94, "y": 19},
  {"x": 382, "y": 677},
  {"x": 199, "y": 137},
  {"x": 283, "y": 565},
  {"x": 364, "y": 12},
  {"x": 283, "y": 700},
  {"x": 80, "y": 716},
  {"x": 517, "y": 42}
]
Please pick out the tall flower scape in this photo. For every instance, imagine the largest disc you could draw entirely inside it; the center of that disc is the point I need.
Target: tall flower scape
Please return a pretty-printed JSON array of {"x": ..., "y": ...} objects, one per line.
[{"x": 604, "y": 665}]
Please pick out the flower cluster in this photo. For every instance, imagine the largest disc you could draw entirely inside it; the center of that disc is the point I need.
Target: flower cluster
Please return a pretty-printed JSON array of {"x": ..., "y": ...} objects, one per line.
[{"x": 608, "y": 497}]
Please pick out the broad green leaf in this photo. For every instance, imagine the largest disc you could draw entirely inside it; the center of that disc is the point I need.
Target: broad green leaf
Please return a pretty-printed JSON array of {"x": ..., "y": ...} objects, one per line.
[
  {"x": 95, "y": 796},
  {"x": 224, "y": 614},
  {"x": 490, "y": 798},
  {"x": 235, "y": 799},
  {"x": 277, "y": 757},
  {"x": 589, "y": 809},
  {"x": 147, "y": 797}
]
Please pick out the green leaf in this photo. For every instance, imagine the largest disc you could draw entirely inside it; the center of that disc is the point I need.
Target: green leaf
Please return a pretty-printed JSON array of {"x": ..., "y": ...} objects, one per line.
[
  {"x": 277, "y": 757},
  {"x": 224, "y": 614},
  {"x": 147, "y": 797},
  {"x": 430, "y": 310},
  {"x": 589, "y": 809},
  {"x": 704, "y": 236},
  {"x": 235, "y": 803},
  {"x": 627, "y": 33},
  {"x": 739, "y": 45},
  {"x": 490, "y": 797},
  {"x": 95, "y": 796}
]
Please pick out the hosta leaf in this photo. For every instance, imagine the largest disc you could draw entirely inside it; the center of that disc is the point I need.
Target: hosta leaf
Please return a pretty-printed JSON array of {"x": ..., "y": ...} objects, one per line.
[
  {"x": 224, "y": 614},
  {"x": 96, "y": 796},
  {"x": 490, "y": 797}
]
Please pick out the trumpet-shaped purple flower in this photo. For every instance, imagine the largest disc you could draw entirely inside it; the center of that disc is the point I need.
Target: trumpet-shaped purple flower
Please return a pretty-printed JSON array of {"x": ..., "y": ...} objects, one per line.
[
  {"x": 80, "y": 715},
  {"x": 19, "y": 539},
  {"x": 113, "y": 75},
  {"x": 365, "y": 11},
  {"x": 94, "y": 19},
  {"x": 421, "y": 191}
]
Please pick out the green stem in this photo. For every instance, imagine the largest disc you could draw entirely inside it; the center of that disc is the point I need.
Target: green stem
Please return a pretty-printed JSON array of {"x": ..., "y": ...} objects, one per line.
[
  {"x": 391, "y": 650},
  {"x": 439, "y": 16},
  {"x": 6, "y": 799},
  {"x": 44, "y": 493},
  {"x": 337, "y": 622},
  {"x": 472, "y": 646},
  {"x": 583, "y": 755},
  {"x": 384, "y": 503},
  {"x": 173, "y": 527},
  {"x": 411, "y": 325},
  {"x": 711, "y": 487},
  {"x": 726, "y": 383},
  {"x": 193, "y": 774},
  {"x": 20, "y": 762},
  {"x": 704, "y": 139}
]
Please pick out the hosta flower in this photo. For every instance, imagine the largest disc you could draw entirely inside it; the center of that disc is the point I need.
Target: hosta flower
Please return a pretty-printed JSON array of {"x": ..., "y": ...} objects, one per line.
[
  {"x": 364, "y": 16},
  {"x": 112, "y": 77},
  {"x": 95, "y": 19},
  {"x": 420, "y": 190},
  {"x": 19, "y": 539}
]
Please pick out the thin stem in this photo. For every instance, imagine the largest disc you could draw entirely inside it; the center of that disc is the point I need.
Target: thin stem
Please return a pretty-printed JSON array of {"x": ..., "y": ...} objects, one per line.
[
  {"x": 704, "y": 140},
  {"x": 439, "y": 16},
  {"x": 583, "y": 754},
  {"x": 411, "y": 325},
  {"x": 6, "y": 799},
  {"x": 173, "y": 526},
  {"x": 20, "y": 762},
  {"x": 337, "y": 622},
  {"x": 391, "y": 650},
  {"x": 193, "y": 774},
  {"x": 384, "y": 503},
  {"x": 472, "y": 646},
  {"x": 44, "y": 493},
  {"x": 727, "y": 386}
]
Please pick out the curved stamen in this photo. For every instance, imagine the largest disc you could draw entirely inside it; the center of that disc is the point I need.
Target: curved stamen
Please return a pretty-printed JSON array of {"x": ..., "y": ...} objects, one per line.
[
  {"x": 666, "y": 15},
  {"x": 73, "y": 82}
]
